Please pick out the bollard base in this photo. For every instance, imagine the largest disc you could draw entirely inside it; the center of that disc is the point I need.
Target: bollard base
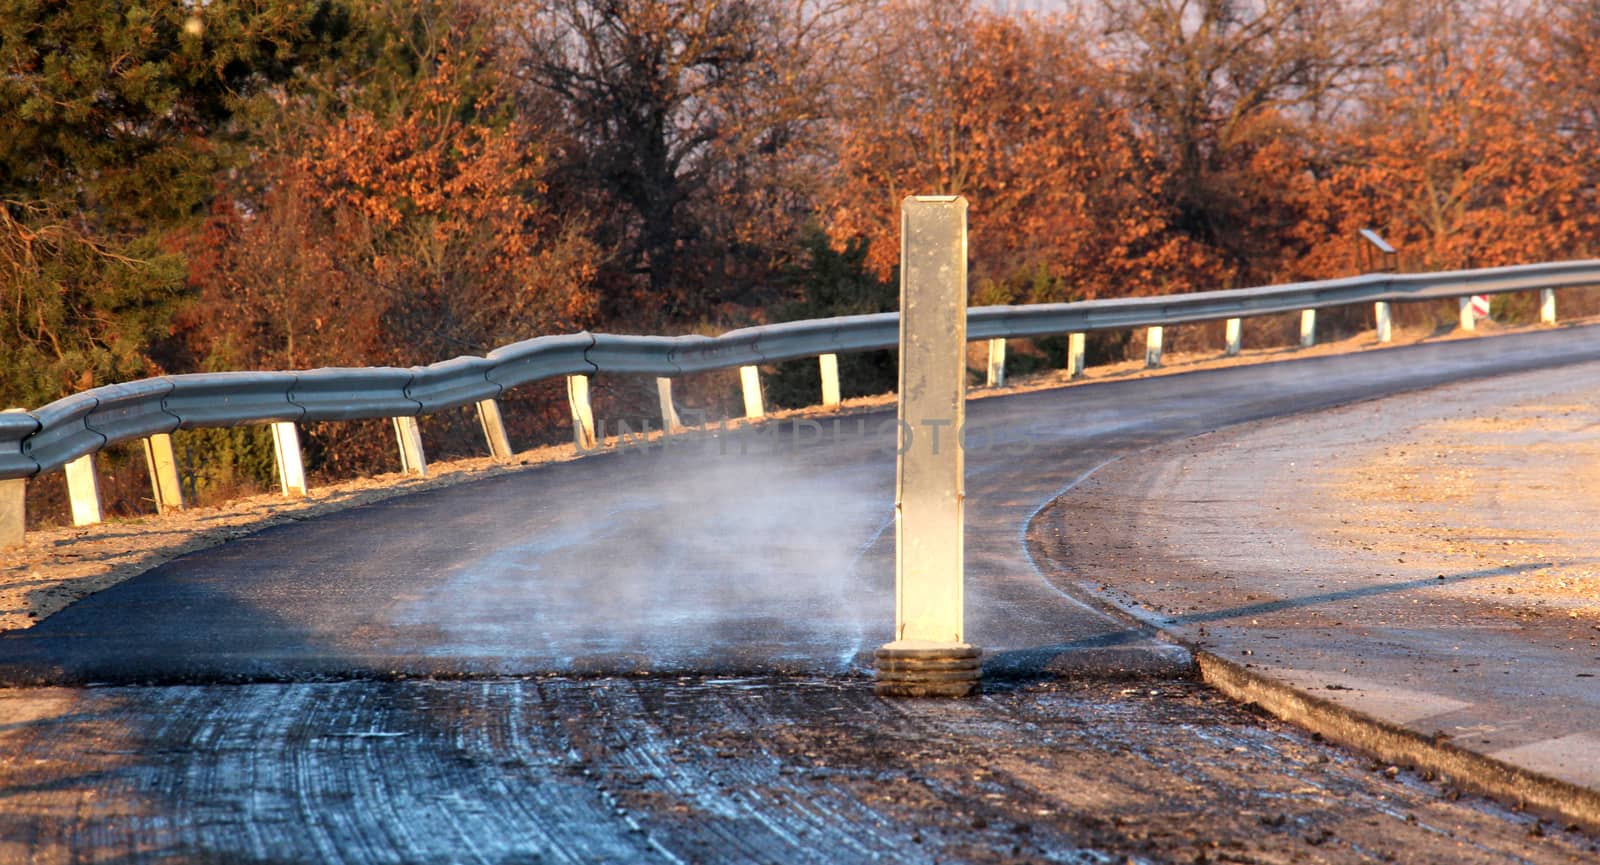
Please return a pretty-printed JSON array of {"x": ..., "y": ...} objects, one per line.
[{"x": 916, "y": 668}]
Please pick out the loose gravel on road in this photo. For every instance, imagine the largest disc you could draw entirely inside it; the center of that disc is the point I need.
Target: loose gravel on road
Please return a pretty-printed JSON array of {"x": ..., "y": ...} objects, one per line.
[{"x": 711, "y": 770}]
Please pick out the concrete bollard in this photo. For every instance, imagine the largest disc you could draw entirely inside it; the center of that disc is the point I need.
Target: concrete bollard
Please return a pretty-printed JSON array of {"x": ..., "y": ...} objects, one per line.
[
  {"x": 1468, "y": 321},
  {"x": 1380, "y": 310},
  {"x": 286, "y": 455},
  {"x": 669, "y": 412},
  {"x": 494, "y": 429},
  {"x": 1547, "y": 306},
  {"x": 750, "y": 383},
  {"x": 1308, "y": 328},
  {"x": 1233, "y": 337},
  {"x": 1152, "y": 348},
  {"x": 929, "y": 656},
  {"x": 829, "y": 366},
  {"x": 412, "y": 460},
  {"x": 163, "y": 467},
  {"x": 83, "y": 489},
  {"x": 13, "y": 511},
  {"x": 1075, "y": 365},
  {"x": 582, "y": 415},
  {"x": 997, "y": 363}
]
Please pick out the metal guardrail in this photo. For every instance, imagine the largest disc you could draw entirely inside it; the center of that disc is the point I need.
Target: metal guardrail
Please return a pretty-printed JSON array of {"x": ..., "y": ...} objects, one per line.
[{"x": 51, "y": 436}]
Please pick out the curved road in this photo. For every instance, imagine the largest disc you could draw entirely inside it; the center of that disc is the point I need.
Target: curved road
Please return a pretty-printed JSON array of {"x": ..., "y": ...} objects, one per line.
[{"x": 729, "y": 556}]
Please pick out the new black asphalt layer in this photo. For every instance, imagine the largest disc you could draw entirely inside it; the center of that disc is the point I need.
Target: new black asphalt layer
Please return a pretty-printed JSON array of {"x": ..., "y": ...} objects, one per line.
[{"x": 729, "y": 553}]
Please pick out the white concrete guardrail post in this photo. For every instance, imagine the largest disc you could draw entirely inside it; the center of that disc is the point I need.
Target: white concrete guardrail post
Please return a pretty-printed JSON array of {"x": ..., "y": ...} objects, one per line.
[
  {"x": 1074, "y": 355},
  {"x": 582, "y": 415},
  {"x": 13, "y": 511},
  {"x": 494, "y": 429},
  {"x": 1308, "y": 328},
  {"x": 13, "y": 506},
  {"x": 997, "y": 363},
  {"x": 669, "y": 412},
  {"x": 163, "y": 467},
  {"x": 1547, "y": 306},
  {"x": 750, "y": 383},
  {"x": 286, "y": 456},
  {"x": 1469, "y": 322},
  {"x": 929, "y": 655},
  {"x": 1380, "y": 311},
  {"x": 828, "y": 364},
  {"x": 412, "y": 460},
  {"x": 1232, "y": 337},
  {"x": 1152, "y": 347},
  {"x": 83, "y": 490}
]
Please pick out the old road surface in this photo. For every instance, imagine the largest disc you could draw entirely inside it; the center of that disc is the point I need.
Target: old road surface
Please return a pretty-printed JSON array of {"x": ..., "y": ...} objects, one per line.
[{"x": 659, "y": 657}]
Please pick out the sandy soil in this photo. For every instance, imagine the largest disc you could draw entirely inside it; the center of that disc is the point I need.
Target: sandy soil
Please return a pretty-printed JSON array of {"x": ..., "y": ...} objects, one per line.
[
  {"x": 57, "y": 566},
  {"x": 1510, "y": 488}
]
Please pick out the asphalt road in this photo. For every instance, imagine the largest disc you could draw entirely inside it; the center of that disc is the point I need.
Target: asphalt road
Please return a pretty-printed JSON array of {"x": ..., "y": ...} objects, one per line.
[{"x": 258, "y": 661}]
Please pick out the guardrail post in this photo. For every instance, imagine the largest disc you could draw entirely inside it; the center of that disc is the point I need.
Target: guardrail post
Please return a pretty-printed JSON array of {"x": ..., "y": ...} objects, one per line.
[
  {"x": 494, "y": 429},
  {"x": 286, "y": 457},
  {"x": 1232, "y": 337},
  {"x": 1380, "y": 310},
  {"x": 997, "y": 363},
  {"x": 412, "y": 460},
  {"x": 1547, "y": 306},
  {"x": 1152, "y": 348},
  {"x": 163, "y": 466},
  {"x": 1074, "y": 355},
  {"x": 1308, "y": 328},
  {"x": 1469, "y": 322},
  {"x": 13, "y": 511},
  {"x": 669, "y": 412},
  {"x": 750, "y": 380},
  {"x": 582, "y": 415},
  {"x": 83, "y": 489},
  {"x": 829, "y": 365},
  {"x": 929, "y": 656}
]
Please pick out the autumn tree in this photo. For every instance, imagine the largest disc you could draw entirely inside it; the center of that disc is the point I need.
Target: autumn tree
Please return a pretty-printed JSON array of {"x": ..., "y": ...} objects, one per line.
[
  {"x": 114, "y": 122},
  {"x": 1015, "y": 116},
  {"x": 1232, "y": 95},
  {"x": 1452, "y": 160},
  {"x": 402, "y": 222},
  {"x": 693, "y": 135}
]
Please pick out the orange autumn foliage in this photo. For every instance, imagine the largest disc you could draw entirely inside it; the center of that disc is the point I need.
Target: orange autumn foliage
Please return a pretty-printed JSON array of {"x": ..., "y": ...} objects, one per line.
[
  {"x": 1013, "y": 115},
  {"x": 1451, "y": 160}
]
